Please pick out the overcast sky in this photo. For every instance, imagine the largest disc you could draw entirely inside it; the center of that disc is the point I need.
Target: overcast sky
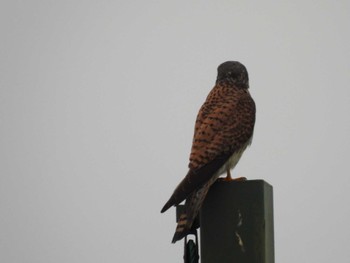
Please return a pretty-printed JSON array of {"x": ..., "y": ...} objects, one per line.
[{"x": 97, "y": 106}]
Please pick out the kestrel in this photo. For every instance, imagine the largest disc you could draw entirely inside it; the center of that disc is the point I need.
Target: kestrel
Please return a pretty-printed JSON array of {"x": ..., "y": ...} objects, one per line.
[{"x": 223, "y": 130}]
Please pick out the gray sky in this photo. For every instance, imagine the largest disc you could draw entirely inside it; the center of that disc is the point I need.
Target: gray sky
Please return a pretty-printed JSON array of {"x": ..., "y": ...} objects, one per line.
[{"x": 98, "y": 101}]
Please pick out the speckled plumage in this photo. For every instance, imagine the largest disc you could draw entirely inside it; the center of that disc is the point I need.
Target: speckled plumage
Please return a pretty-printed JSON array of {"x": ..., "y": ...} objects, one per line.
[{"x": 224, "y": 128}]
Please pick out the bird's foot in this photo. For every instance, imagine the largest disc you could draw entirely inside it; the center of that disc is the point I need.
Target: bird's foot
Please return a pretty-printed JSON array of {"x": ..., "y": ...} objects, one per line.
[
  {"x": 240, "y": 179},
  {"x": 230, "y": 179}
]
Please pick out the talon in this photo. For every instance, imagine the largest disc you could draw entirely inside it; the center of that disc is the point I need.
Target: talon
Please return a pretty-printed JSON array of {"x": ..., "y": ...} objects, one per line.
[
  {"x": 240, "y": 179},
  {"x": 229, "y": 178}
]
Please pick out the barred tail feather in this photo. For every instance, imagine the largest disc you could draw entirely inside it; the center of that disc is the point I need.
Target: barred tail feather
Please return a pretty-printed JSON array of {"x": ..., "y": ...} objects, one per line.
[
  {"x": 182, "y": 229},
  {"x": 192, "y": 207}
]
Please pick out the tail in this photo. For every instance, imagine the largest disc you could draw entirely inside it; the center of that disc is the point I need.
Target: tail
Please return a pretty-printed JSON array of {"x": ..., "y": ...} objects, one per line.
[
  {"x": 183, "y": 228},
  {"x": 192, "y": 206}
]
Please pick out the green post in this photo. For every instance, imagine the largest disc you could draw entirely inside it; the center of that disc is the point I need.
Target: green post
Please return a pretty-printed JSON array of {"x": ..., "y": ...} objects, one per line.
[{"x": 236, "y": 223}]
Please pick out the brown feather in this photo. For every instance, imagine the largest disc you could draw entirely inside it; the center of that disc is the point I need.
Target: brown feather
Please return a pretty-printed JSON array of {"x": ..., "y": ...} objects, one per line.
[
  {"x": 224, "y": 128},
  {"x": 224, "y": 123}
]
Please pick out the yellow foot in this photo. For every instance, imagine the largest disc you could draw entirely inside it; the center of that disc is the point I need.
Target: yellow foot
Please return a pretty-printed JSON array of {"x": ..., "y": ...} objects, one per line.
[
  {"x": 230, "y": 179},
  {"x": 240, "y": 179}
]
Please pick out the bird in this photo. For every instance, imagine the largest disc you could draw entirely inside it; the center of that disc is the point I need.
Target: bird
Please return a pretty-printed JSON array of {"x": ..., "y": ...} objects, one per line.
[{"x": 223, "y": 129}]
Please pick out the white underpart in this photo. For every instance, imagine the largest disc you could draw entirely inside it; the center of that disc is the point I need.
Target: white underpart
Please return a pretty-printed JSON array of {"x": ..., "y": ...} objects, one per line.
[{"x": 233, "y": 160}]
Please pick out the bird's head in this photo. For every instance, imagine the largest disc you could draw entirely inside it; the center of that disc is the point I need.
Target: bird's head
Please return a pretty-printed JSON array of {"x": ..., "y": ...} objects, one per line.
[{"x": 233, "y": 72}]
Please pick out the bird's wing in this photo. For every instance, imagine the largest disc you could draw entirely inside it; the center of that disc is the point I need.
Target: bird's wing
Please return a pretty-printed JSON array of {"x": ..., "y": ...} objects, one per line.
[{"x": 224, "y": 124}]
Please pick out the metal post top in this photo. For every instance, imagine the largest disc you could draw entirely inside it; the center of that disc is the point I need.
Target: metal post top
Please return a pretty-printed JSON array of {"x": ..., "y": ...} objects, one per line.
[{"x": 236, "y": 221}]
